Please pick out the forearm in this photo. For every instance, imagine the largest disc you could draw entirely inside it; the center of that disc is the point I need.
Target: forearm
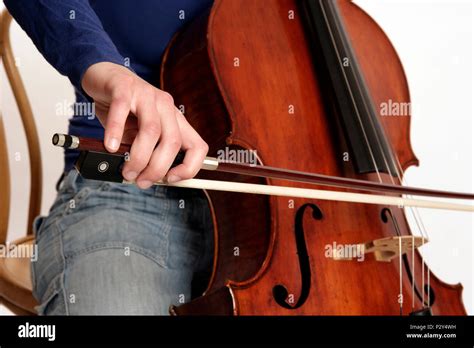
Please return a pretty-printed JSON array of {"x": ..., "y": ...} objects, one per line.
[{"x": 68, "y": 34}]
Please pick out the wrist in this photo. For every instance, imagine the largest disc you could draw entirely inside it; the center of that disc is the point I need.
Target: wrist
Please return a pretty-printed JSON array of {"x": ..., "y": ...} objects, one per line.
[{"x": 98, "y": 74}]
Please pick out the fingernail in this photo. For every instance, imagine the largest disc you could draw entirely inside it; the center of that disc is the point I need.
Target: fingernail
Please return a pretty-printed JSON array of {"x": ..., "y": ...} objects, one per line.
[
  {"x": 113, "y": 144},
  {"x": 130, "y": 175},
  {"x": 172, "y": 179},
  {"x": 144, "y": 184}
]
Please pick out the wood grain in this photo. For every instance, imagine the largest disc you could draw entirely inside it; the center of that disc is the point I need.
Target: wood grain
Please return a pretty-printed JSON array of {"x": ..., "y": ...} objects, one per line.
[{"x": 246, "y": 106}]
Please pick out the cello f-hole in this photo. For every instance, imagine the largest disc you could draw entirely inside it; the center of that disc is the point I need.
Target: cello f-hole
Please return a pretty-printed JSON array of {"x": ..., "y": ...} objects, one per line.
[{"x": 280, "y": 292}]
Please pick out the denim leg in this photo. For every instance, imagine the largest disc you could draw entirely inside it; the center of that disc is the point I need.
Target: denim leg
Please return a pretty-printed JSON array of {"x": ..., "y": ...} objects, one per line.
[
  {"x": 108, "y": 282},
  {"x": 114, "y": 249}
]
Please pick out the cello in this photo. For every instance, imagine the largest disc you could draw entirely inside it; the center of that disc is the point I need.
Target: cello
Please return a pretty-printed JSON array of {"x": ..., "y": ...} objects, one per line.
[{"x": 300, "y": 82}]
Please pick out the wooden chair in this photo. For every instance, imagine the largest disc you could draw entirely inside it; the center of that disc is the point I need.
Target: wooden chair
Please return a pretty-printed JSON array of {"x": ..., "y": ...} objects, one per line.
[{"x": 15, "y": 282}]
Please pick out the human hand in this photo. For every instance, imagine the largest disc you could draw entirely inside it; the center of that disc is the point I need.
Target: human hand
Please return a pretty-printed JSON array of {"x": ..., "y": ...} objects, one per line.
[{"x": 135, "y": 112}]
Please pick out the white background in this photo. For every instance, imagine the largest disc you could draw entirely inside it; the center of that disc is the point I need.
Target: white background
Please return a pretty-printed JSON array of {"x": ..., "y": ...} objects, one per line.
[{"x": 434, "y": 41}]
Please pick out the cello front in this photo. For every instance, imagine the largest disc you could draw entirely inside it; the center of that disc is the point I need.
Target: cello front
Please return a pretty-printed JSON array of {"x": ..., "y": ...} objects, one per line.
[{"x": 300, "y": 82}]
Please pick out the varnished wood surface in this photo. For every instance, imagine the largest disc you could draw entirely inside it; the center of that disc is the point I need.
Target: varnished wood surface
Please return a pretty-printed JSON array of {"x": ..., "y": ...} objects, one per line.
[
  {"x": 247, "y": 106},
  {"x": 26, "y": 114},
  {"x": 4, "y": 184},
  {"x": 15, "y": 277}
]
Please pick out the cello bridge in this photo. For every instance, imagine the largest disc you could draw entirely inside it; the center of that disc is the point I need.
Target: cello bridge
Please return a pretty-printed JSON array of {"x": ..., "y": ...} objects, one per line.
[{"x": 386, "y": 249}]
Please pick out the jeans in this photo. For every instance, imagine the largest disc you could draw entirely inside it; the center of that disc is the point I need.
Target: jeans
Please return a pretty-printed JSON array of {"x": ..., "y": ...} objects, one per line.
[{"x": 113, "y": 249}]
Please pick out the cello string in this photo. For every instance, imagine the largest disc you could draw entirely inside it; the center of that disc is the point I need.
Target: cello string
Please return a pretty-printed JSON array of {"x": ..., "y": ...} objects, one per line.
[
  {"x": 414, "y": 212},
  {"x": 425, "y": 234},
  {"x": 401, "y": 273},
  {"x": 359, "y": 116},
  {"x": 360, "y": 121},
  {"x": 423, "y": 275},
  {"x": 366, "y": 139},
  {"x": 393, "y": 156},
  {"x": 398, "y": 169},
  {"x": 413, "y": 273}
]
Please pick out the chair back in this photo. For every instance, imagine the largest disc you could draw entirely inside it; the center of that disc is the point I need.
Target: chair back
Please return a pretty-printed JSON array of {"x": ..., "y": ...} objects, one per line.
[{"x": 26, "y": 114}]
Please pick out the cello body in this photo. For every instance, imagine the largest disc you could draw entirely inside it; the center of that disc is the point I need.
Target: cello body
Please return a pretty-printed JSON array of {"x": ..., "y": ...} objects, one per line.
[{"x": 248, "y": 77}]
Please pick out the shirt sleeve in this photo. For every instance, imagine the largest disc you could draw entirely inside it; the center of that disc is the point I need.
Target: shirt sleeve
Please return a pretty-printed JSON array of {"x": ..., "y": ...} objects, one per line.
[{"x": 68, "y": 34}]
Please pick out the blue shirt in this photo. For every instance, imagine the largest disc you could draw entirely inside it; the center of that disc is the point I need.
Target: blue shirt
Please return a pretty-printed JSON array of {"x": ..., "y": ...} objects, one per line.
[{"x": 74, "y": 34}]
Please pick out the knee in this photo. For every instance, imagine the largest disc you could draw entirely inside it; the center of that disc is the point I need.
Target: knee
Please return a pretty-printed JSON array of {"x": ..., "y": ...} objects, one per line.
[{"x": 115, "y": 281}]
